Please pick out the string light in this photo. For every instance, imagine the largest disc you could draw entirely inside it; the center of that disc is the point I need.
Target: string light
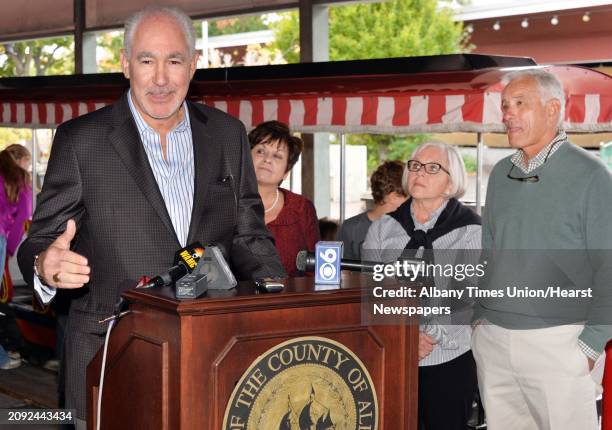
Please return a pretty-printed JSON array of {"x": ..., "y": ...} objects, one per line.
[{"x": 586, "y": 17}]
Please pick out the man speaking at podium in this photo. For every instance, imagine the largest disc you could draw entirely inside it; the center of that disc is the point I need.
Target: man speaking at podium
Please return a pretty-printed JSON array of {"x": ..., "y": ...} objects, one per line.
[{"x": 129, "y": 184}]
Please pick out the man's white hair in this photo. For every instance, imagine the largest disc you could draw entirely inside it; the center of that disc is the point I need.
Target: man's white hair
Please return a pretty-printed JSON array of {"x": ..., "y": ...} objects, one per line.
[
  {"x": 548, "y": 86},
  {"x": 178, "y": 15}
]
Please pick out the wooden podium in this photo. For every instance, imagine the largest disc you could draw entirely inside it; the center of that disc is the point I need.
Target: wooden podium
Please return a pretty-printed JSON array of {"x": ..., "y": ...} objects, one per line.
[{"x": 174, "y": 365}]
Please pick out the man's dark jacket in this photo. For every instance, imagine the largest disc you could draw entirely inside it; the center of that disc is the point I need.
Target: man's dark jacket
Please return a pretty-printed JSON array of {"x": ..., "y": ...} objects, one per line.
[{"x": 99, "y": 175}]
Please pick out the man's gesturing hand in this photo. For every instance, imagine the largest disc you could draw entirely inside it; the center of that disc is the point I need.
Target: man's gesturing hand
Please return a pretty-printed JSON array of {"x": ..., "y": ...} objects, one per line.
[{"x": 59, "y": 267}]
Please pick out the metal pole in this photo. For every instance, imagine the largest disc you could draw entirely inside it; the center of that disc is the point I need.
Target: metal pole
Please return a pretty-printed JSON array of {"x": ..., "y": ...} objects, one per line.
[
  {"x": 479, "y": 161},
  {"x": 34, "y": 170},
  {"x": 342, "y": 175}
]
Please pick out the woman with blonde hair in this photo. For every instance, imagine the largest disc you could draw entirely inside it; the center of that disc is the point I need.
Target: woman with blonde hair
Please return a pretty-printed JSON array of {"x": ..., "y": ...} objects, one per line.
[{"x": 433, "y": 219}]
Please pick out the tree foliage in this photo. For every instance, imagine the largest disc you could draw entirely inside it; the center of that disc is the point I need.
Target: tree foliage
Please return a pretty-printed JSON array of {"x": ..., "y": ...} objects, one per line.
[
  {"x": 8, "y": 136},
  {"x": 399, "y": 28},
  {"x": 240, "y": 24},
  {"x": 110, "y": 44},
  {"x": 396, "y": 28},
  {"x": 287, "y": 36},
  {"x": 54, "y": 56},
  {"x": 38, "y": 57},
  {"x": 386, "y": 147}
]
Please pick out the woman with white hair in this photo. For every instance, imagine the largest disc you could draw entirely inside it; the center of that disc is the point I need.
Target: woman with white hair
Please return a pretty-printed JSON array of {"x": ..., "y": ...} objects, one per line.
[{"x": 434, "y": 219}]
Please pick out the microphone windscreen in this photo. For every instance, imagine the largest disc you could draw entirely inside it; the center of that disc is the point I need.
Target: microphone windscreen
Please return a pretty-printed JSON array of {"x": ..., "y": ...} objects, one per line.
[
  {"x": 218, "y": 273},
  {"x": 301, "y": 260}
]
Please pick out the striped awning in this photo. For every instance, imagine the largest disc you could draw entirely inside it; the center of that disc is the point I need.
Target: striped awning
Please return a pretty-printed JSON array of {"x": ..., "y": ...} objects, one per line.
[
  {"x": 41, "y": 115},
  {"x": 472, "y": 106},
  {"x": 400, "y": 113}
]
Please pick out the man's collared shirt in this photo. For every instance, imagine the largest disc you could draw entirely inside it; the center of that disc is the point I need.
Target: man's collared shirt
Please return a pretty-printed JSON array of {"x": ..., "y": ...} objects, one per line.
[
  {"x": 518, "y": 159},
  {"x": 174, "y": 176}
]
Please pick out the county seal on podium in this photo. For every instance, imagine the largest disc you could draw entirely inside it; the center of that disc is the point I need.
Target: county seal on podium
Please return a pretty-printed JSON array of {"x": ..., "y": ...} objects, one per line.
[{"x": 306, "y": 383}]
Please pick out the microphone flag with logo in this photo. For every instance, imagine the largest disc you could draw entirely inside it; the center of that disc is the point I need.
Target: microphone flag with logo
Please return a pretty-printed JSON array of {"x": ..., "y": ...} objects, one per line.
[
  {"x": 327, "y": 262},
  {"x": 185, "y": 261}
]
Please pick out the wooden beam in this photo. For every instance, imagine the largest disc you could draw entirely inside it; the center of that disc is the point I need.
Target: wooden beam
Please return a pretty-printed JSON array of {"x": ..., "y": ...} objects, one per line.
[
  {"x": 306, "y": 56},
  {"x": 79, "y": 28},
  {"x": 308, "y": 166},
  {"x": 305, "y": 9}
]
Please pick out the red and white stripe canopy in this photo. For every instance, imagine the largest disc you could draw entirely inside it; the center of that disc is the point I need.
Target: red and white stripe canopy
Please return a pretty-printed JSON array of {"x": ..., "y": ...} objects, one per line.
[
  {"x": 467, "y": 102},
  {"x": 43, "y": 114}
]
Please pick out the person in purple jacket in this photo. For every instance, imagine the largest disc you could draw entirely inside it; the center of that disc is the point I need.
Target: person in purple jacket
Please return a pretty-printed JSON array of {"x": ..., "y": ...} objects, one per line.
[{"x": 15, "y": 209}]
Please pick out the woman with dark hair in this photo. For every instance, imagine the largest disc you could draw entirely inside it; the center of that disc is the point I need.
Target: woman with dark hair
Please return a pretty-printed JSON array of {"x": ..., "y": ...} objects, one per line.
[
  {"x": 15, "y": 209},
  {"x": 388, "y": 194},
  {"x": 15, "y": 197},
  {"x": 291, "y": 218}
]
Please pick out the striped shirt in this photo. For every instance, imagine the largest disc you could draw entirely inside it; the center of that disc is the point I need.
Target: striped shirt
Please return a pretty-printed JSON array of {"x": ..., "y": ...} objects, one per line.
[
  {"x": 385, "y": 241},
  {"x": 174, "y": 176}
]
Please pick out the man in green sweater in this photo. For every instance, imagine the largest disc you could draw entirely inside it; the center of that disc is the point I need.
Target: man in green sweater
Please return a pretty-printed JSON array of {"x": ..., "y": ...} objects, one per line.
[{"x": 547, "y": 230}]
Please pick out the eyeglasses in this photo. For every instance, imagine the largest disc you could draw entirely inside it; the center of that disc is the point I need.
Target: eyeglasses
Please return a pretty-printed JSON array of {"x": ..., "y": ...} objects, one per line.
[
  {"x": 533, "y": 178},
  {"x": 530, "y": 179},
  {"x": 431, "y": 168}
]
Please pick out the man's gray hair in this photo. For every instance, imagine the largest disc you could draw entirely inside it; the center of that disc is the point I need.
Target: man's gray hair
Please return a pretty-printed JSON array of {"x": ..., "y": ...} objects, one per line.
[
  {"x": 548, "y": 84},
  {"x": 456, "y": 167},
  {"x": 151, "y": 11}
]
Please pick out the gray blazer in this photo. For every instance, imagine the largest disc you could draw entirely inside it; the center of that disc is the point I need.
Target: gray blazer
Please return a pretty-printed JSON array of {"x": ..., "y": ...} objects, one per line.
[{"x": 99, "y": 175}]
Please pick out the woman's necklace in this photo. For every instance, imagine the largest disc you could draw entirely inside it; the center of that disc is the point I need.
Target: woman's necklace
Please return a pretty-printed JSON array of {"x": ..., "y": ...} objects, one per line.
[{"x": 273, "y": 204}]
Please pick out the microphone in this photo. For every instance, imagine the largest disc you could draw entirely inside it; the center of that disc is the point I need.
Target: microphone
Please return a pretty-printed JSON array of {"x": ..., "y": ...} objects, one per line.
[
  {"x": 185, "y": 261},
  {"x": 211, "y": 273},
  {"x": 305, "y": 261},
  {"x": 229, "y": 178}
]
